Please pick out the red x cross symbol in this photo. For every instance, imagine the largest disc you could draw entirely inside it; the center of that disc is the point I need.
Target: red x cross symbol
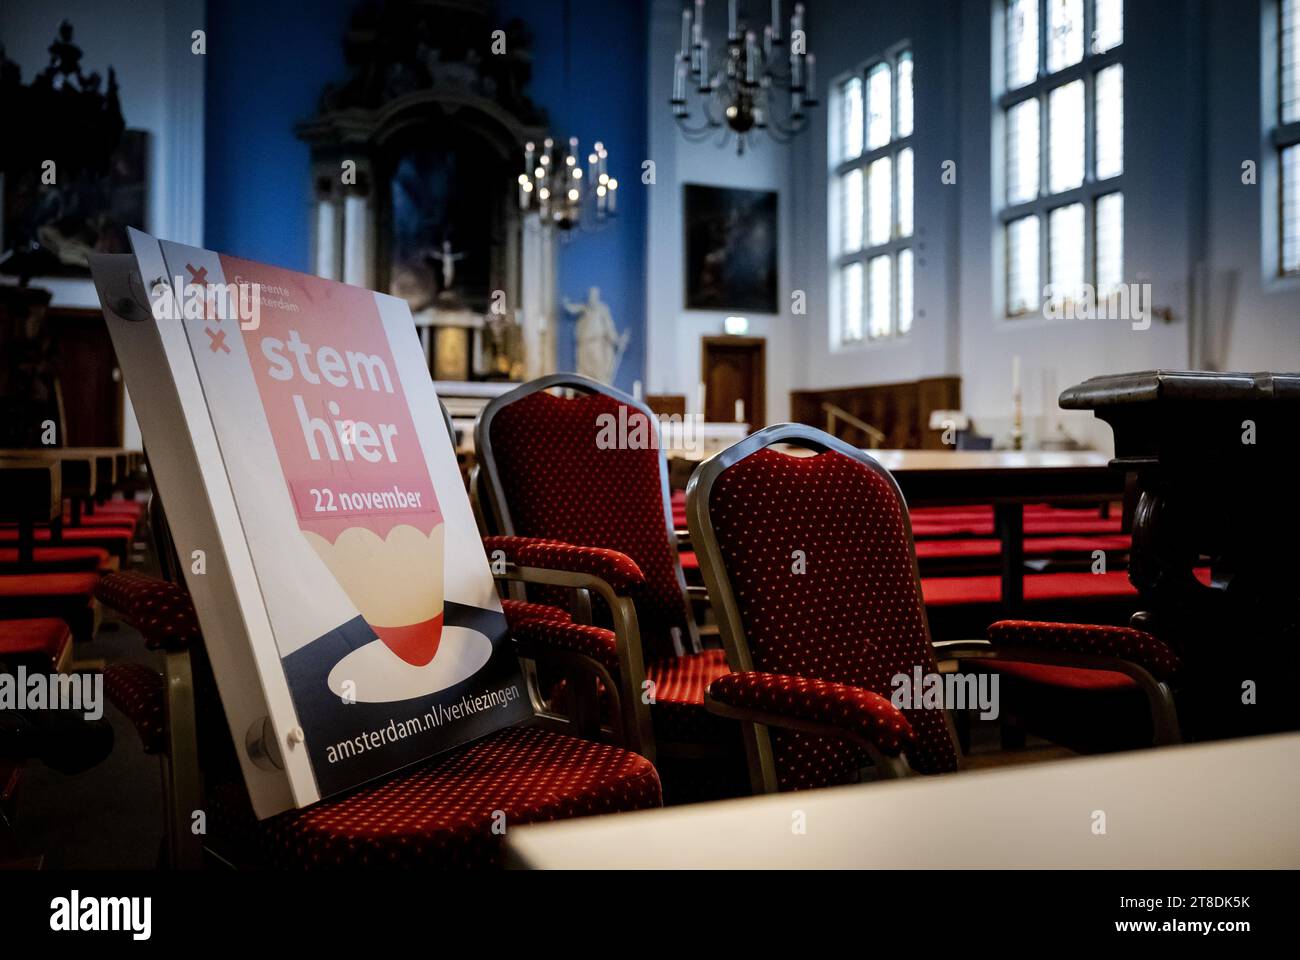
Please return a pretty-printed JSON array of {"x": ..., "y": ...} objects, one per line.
[
  {"x": 218, "y": 338},
  {"x": 197, "y": 276}
]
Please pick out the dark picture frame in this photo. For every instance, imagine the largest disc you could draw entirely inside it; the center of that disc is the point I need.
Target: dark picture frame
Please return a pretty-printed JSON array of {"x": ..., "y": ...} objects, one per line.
[{"x": 731, "y": 249}]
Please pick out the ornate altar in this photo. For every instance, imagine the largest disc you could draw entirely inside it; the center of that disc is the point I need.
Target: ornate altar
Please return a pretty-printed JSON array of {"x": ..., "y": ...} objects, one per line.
[{"x": 414, "y": 164}]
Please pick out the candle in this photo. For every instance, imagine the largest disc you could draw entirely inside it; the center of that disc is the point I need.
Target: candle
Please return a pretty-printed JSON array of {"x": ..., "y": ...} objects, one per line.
[
  {"x": 796, "y": 21},
  {"x": 679, "y": 92},
  {"x": 776, "y": 19},
  {"x": 613, "y": 195},
  {"x": 740, "y": 411},
  {"x": 810, "y": 83},
  {"x": 686, "y": 31},
  {"x": 751, "y": 58},
  {"x": 704, "y": 65},
  {"x": 732, "y": 33}
]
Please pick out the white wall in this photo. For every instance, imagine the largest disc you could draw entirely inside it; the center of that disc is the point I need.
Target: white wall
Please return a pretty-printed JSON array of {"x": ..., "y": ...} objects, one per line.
[
  {"x": 843, "y": 35},
  {"x": 161, "y": 89},
  {"x": 673, "y": 332},
  {"x": 1193, "y": 87},
  {"x": 1160, "y": 181}
]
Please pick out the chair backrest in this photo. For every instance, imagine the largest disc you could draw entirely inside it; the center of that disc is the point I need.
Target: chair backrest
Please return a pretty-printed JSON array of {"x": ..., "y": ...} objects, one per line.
[
  {"x": 550, "y": 470},
  {"x": 811, "y": 568}
]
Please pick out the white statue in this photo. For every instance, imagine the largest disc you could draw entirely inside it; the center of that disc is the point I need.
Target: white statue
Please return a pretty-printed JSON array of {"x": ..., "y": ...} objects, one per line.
[
  {"x": 448, "y": 261},
  {"x": 600, "y": 345}
]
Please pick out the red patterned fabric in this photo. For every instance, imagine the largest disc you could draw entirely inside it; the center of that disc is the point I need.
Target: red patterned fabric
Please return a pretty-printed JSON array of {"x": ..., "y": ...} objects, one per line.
[
  {"x": 1067, "y": 678},
  {"x": 594, "y": 642},
  {"x": 561, "y": 484},
  {"x": 162, "y": 611},
  {"x": 678, "y": 709},
  {"x": 817, "y": 553},
  {"x": 617, "y": 569},
  {"x": 42, "y": 639},
  {"x": 1136, "y": 646},
  {"x": 517, "y": 611},
  {"x": 141, "y": 694},
  {"x": 840, "y": 705},
  {"x": 441, "y": 814}
]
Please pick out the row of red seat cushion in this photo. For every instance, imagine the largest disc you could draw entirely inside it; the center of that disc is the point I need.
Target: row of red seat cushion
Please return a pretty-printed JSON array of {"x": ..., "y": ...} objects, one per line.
[
  {"x": 67, "y": 596},
  {"x": 116, "y": 540},
  {"x": 1034, "y": 546},
  {"x": 59, "y": 580},
  {"x": 39, "y": 641},
  {"x": 1042, "y": 587},
  {"x": 58, "y": 559},
  {"x": 1033, "y": 524},
  {"x": 983, "y": 510}
]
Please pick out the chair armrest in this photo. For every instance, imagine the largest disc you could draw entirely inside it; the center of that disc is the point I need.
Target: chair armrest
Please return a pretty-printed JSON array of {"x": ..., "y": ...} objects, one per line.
[
  {"x": 615, "y": 577},
  {"x": 1122, "y": 643},
  {"x": 520, "y": 611},
  {"x": 819, "y": 706},
  {"x": 162, "y": 611},
  {"x": 536, "y": 638},
  {"x": 617, "y": 569}
]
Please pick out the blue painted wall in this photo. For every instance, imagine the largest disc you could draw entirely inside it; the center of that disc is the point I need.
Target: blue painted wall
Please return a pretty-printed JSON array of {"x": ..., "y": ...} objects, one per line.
[
  {"x": 269, "y": 59},
  {"x": 267, "y": 62}
]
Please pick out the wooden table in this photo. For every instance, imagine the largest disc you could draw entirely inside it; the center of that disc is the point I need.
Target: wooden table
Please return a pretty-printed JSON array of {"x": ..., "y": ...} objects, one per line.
[
  {"x": 33, "y": 495},
  {"x": 1008, "y": 480},
  {"x": 1214, "y": 457},
  {"x": 1229, "y": 805}
]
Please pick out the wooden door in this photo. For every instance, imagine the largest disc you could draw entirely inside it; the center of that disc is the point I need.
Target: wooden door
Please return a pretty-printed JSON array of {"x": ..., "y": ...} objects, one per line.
[{"x": 734, "y": 368}]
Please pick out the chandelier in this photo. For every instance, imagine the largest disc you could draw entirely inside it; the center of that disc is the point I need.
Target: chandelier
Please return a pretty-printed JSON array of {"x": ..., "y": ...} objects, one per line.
[
  {"x": 555, "y": 186},
  {"x": 758, "y": 85}
]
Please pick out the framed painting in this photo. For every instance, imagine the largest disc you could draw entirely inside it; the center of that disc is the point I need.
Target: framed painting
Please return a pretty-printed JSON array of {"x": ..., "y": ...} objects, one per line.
[{"x": 731, "y": 249}]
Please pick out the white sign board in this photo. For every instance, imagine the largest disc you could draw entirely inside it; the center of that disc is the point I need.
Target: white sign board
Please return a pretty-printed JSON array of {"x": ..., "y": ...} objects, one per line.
[{"x": 317, "y": 507}]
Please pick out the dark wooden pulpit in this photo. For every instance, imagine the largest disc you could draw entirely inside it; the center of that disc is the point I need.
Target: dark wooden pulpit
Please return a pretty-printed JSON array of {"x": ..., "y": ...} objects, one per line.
[{"x": 1214, "y": 456}]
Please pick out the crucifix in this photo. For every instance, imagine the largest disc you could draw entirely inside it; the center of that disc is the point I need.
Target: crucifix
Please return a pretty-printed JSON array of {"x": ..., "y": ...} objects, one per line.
[{"x": 448, "y": 261}]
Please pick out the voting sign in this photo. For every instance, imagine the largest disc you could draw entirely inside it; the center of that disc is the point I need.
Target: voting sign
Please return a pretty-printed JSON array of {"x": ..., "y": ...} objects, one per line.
[{"x": 337, "y": 511}]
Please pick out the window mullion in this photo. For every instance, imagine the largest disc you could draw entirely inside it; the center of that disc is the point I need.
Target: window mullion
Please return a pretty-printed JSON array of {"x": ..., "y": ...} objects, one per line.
[{"x": 1043, "y": 11}]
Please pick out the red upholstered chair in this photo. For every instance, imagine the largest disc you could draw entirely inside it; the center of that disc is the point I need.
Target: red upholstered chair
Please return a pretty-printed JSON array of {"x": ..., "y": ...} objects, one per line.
[
  {"x": 560, "y": 494},
  {"x": 812, "y": 570},
  {"x": 437, "y": 813}
]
